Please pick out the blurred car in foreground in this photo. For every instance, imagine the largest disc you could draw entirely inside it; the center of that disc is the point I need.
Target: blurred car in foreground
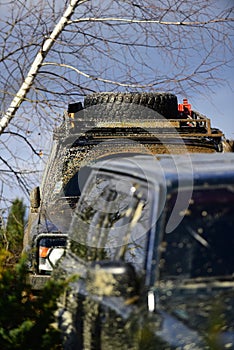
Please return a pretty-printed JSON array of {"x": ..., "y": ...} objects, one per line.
[{"x": 151, "y": 255}]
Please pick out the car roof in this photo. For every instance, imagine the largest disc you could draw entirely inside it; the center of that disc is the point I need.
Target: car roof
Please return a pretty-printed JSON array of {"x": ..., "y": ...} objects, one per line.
[{"x": 199, "y": 168}]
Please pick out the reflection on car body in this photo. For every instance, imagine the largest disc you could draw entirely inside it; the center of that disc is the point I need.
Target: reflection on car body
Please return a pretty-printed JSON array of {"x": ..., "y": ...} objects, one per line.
[{"x": 153, "y": 273}]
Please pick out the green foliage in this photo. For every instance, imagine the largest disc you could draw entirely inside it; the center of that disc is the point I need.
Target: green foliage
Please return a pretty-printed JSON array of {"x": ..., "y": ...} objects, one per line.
[
  {"x": 2, "y": 233},
  {"x": 11, "y": 235},
  {"x": 26, "y": 320},
  {"x": 216, "y": 324},
  {"x": 15, "y": 226}
]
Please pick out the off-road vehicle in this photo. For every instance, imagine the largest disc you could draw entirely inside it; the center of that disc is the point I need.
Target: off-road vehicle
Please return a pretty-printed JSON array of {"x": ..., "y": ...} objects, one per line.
[
  {"x": 150, "y": 250},
  {"x": 105, "y": 125}
]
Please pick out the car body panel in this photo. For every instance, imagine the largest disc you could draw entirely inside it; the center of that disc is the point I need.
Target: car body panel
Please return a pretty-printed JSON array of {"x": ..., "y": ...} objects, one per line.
[{"x": 151, "y": 309}]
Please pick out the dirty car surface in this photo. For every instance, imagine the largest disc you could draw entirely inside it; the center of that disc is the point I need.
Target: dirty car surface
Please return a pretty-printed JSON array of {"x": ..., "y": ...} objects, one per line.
[
  {"x": 149, "y": 271},
  {"x": 105, "y": 125}
]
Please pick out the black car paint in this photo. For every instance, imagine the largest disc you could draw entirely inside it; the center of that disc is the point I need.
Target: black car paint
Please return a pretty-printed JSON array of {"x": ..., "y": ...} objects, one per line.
[{"x": 173, "y": 314}]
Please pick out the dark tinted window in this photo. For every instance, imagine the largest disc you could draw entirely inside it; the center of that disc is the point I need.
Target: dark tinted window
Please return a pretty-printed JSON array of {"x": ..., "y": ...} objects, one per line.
[
  {"x": 112, "y": 220},
  {"x": 202, "y": 245}
]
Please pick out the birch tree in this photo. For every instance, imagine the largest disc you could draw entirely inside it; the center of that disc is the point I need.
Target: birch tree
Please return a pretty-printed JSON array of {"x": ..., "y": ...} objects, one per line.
[
  {"x": 39, "y": 59},
  {"x": 55, "y": 52}
]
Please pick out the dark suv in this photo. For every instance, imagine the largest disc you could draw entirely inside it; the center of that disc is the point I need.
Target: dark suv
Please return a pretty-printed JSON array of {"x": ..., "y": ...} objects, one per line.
[
  {"x": 150, "y": 254},
  {"x": 105, "y": 125}
]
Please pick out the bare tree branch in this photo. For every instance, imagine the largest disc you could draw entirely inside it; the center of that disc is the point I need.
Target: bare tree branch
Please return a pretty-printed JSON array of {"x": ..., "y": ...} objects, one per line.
[
  {"x": 46, "y": 46},
  {"x": 96, "y": 78},
  {"x": 24, "y": 138},
  {"x": 131, "y": 45},
  {"x": 21, "y": 182},
  {"x": 140, "y": 21}
]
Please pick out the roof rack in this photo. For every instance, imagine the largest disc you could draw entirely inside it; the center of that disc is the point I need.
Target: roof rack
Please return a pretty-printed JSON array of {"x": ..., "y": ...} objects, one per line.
[
  {"x": 189, "y": 124},
  {"x": 200, "y": 126}
]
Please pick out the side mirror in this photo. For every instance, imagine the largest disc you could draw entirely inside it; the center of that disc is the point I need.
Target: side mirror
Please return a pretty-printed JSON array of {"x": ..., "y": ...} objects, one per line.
[
  {"x": 113, "y": 278},
  {"x": 35, "y": 199}
]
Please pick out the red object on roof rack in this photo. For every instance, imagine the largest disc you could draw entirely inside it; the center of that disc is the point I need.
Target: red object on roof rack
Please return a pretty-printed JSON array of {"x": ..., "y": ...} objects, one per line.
[{"x": 185, "y": 107}]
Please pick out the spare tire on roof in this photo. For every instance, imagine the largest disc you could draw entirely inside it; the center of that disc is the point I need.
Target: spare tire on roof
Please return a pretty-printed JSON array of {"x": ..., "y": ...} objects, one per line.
[{"x": 165, "y": 104}]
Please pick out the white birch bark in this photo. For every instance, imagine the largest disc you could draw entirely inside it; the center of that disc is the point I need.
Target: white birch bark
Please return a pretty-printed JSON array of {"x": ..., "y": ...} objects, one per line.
[{"x": 46, "y": 46}]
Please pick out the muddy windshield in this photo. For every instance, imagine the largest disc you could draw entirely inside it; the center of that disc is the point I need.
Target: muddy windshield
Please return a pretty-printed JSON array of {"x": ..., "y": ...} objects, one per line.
[
  {"x": 112, "y": 221},
  {"x": 202, "y": 245}
]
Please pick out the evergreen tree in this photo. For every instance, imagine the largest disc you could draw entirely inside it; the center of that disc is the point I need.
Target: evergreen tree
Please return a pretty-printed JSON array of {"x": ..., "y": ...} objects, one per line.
[
  {"x": 2, "y": 233},
  {"x": 15, "y": 227},
  {"x": 27, "y": 321}
]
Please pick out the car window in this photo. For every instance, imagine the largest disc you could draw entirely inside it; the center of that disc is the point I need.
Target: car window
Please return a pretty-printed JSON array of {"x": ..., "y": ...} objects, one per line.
[
  {"x": 202, "y": 244},
  {"x": 112, "y": 220}
]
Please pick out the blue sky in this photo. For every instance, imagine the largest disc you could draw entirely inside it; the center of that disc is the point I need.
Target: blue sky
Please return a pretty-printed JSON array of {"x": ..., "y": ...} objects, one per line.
[{"x": 219, "y": 107}]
